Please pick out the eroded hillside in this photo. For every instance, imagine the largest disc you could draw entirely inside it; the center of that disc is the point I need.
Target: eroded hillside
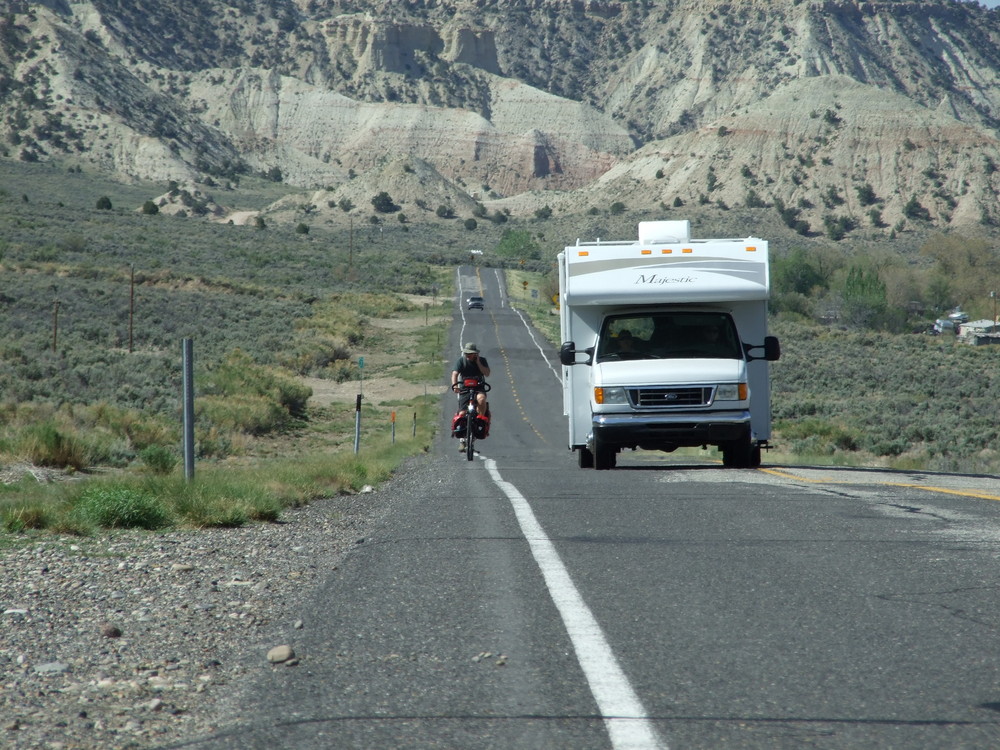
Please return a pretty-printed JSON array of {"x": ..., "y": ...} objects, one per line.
[{"x": 855, "y": 115}]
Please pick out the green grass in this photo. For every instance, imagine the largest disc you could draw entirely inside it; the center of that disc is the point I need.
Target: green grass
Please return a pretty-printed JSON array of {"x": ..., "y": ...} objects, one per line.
[{"x": 219, "y": 495}]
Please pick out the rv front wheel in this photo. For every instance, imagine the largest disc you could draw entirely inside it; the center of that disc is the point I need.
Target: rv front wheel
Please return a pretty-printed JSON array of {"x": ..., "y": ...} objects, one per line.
[
  {"x": 738, "y": 454},
  {"x": 604, "y": 456},
  {"x": 585, "y": 458}
]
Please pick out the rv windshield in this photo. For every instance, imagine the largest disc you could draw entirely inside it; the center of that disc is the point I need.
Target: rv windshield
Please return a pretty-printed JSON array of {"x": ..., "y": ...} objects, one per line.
[{"x": 673, "y": 335}]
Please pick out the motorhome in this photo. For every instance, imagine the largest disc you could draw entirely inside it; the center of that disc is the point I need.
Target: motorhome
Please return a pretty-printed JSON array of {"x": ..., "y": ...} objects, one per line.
[{"x": 666, "y": 345}]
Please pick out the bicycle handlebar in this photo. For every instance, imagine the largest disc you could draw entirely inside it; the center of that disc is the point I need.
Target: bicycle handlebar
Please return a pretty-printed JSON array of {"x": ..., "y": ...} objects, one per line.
[{"x": 480, "y": 385}]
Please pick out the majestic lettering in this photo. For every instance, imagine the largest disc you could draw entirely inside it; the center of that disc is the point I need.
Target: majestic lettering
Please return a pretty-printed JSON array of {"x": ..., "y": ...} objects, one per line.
[{"x": 654, "y": 278}]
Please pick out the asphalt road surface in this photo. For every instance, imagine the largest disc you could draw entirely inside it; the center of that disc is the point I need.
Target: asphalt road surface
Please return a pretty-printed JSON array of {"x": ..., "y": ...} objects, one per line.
[{"x": 517, "y": 601}]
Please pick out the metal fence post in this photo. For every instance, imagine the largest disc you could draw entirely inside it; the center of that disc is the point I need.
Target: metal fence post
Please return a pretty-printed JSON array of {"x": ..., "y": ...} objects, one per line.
[{"x": 187, "y": 349}]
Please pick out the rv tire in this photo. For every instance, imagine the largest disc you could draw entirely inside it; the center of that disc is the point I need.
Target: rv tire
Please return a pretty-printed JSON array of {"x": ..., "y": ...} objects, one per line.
[
  {"x": 585, "y": 458},
  {"x": 738, "y": 454},
  {"x": 604, "y": 456}
]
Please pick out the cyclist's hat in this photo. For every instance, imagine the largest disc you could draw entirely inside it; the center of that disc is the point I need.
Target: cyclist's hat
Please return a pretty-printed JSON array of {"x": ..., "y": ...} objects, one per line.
[{"x": 470, "y": 348}]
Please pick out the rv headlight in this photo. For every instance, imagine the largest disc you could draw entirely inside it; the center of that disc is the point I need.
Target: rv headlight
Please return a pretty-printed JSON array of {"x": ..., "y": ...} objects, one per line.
[
  {"x": 615, "y": 396},
  {"x": 731, "y": 392}
]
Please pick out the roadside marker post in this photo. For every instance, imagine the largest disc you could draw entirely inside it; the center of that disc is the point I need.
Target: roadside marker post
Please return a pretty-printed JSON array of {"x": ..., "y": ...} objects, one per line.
[
  {"x": 357, "y": 424},
  {"x": 357, "y": 406}
]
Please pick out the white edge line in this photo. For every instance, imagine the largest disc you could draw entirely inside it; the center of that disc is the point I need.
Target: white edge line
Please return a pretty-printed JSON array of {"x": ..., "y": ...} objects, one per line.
[
  {"x": 461, "y": 307},
  {"x": 541, "y": 351},
  {"x": 624, "y": 715}
]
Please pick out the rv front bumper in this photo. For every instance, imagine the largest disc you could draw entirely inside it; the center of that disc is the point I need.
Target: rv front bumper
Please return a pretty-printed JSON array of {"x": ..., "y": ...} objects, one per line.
[{"x": 658, "y": 431}]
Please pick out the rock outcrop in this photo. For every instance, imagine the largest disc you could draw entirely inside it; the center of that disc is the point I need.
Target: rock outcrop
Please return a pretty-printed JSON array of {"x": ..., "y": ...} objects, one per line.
[{"x": 861, "y": 113}]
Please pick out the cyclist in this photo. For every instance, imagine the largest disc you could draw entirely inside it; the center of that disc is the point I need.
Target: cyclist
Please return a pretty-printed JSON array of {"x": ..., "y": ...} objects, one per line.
[{"x": 472, "y": 365}]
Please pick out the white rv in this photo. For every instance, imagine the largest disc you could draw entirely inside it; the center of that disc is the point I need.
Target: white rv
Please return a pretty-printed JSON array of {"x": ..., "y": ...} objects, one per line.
[{"x": 666, "y": 345}]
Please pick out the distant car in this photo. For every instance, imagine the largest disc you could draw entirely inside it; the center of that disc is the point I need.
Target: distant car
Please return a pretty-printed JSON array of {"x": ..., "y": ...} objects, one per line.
[{"x": 476, "y": 303}]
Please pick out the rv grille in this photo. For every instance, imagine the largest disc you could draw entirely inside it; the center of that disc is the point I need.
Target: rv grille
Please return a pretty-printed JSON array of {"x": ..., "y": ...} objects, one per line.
[{"x": 659, "y": 398}]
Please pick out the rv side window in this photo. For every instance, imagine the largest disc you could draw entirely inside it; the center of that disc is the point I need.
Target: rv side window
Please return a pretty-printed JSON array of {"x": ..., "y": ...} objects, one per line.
[{"x": 674, "y": 335}]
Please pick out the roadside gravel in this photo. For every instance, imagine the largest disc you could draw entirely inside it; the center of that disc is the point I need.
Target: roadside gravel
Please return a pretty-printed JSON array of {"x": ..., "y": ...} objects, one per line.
[{"x": 129, "y": 639}]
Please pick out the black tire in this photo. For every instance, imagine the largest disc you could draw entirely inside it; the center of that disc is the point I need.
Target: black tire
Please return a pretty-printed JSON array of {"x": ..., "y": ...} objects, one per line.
[
  {"x": 604, "y": 456},
  {"x": 470, "y": 434},
  {"x": 738, "y": 454},
  {"x": 585, "y": 458}
]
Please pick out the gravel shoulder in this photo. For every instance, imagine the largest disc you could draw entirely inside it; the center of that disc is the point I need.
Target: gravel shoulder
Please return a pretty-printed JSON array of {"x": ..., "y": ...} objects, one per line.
[{"x": 130, "y": 639}]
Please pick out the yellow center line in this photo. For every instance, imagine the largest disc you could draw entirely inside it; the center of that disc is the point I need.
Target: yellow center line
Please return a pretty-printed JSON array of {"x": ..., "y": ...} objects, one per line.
[
  {"x": 906, "y": 485},
  {"x": 944, "y": 490},
  {"x": 510, "y": 374},
  {"x": 786, "y": 475}
]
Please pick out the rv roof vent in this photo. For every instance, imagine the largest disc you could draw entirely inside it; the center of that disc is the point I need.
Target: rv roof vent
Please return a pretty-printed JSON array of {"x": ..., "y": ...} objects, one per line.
[{"x": 664, "y": 232}]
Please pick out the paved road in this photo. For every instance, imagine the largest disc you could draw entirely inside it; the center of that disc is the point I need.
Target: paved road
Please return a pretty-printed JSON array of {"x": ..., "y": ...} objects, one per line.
[{"x": 518, "y": 601}]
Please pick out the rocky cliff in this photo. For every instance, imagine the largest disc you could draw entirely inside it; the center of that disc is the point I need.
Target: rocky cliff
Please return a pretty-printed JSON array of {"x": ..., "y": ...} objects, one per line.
[{"x": 835, "y": 113}]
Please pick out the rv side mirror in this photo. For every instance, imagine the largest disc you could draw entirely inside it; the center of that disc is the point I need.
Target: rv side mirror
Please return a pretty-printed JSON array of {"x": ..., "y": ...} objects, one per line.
[
  {"x": 567, "y": 354},
  {"x": 772, "y": 349}
]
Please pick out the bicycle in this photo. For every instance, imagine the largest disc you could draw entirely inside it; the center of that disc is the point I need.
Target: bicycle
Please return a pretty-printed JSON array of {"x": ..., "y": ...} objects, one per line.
[{"x": 467, "y": 424}]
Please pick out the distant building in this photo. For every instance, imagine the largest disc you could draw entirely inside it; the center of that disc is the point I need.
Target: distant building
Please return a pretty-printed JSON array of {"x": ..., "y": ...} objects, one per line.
[{"x": 980, "y": 332}]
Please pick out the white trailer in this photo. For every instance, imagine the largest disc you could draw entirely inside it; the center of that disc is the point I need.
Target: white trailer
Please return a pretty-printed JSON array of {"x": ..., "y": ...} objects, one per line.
[{"x": 666, "y": 345}]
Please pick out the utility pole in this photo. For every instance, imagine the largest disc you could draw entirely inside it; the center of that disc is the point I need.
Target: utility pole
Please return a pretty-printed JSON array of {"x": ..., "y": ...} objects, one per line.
[
  {"x": 187, "y": 384},
  {"x": 55, "y": 325},
  {"x": 131, "y": 304}
]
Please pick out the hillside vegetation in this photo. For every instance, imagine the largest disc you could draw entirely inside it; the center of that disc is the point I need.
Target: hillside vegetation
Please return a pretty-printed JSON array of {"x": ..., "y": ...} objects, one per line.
[{"x": 96, "y": 302}]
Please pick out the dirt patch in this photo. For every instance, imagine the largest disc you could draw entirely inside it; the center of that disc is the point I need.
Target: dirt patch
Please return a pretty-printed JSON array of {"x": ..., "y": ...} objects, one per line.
[
  {"x": 379, "y": 387},
  {"x": 375, "y": 390}
]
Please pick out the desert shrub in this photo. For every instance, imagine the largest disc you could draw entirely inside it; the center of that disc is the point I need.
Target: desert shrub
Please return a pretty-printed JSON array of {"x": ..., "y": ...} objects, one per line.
[
  {"x": 518, "y": 243},
  {"x": 820, "y": 434},
  {"x": 341, "y": 372},
  {"x": 313, "y": 357},
  {"x": 120, "y": 506},
  {"x": 257, "y": 393},
  {"x": 46, "y": 444},
  {"x": 141, "y": 429},
  {"x": 250, "y": 414},
  {"x": 20, "y": 518},
  {"x": 914, "y": 210},
  {"x": 158, "y": 459},
  {"x": 213, "y": 442},
  {"x": 384, "y": 204}
]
